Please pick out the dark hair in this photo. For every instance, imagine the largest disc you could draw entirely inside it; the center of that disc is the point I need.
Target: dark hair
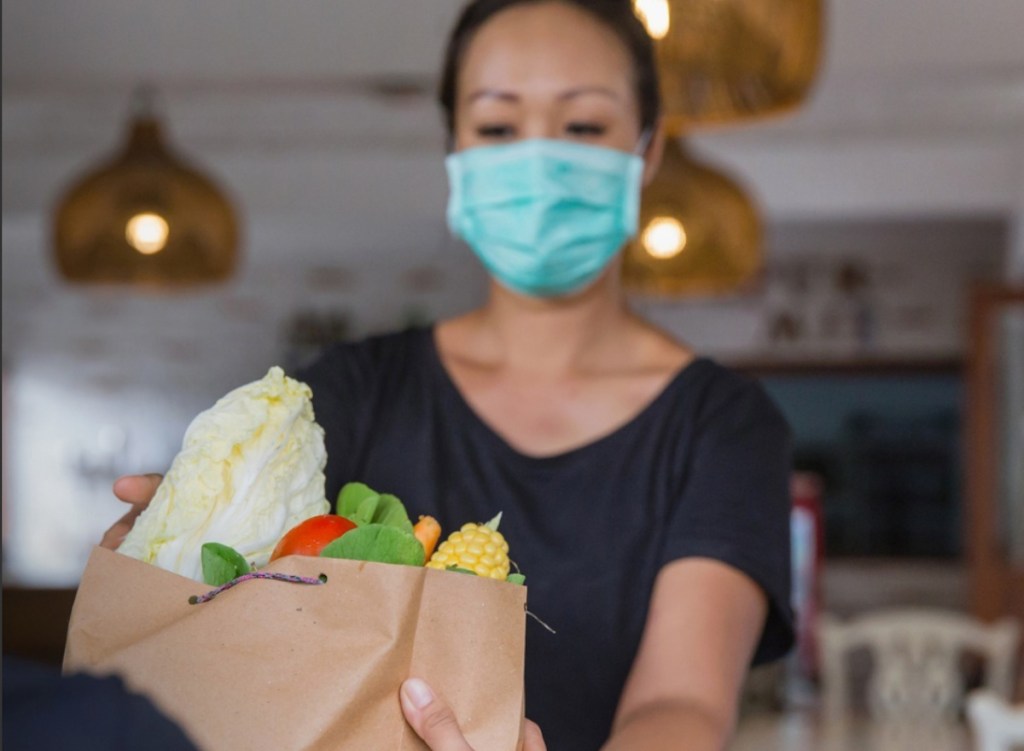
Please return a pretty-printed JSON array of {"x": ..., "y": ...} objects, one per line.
[{"x": 617, "y": 15}]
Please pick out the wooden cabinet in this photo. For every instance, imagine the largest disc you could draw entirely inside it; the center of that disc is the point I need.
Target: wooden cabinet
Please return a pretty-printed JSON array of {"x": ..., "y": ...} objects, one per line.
[
  {"x": 35, "y": 623},
  {"x": 994, "y": 450}
]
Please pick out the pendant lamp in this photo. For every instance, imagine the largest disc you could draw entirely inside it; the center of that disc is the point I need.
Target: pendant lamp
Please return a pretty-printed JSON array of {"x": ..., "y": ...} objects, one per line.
[
  {"x": 720, "y": 62},
  {"x": 145, "y": 216},
  {"x": 699, "y": 231},
  {"x": 728, "y": 61}
]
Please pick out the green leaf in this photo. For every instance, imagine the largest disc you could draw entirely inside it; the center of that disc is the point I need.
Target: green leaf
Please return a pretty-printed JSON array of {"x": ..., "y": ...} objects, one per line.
[
  {"x": 493, "y": 523},
  {"x": 460, "y": 570},
  {"x": 377, "y": 542},
  {"x": 350, "y": 498},
  {"x": 221, "y": 563},
  {"x": 392, "y": 513},
  {"x": 516, "y": 578},
  {"x": 363, "y": 505},
  {"x": 366, "y": 510}
]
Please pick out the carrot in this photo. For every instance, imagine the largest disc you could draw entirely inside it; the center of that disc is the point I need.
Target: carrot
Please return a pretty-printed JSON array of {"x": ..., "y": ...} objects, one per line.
[{"x": 427, "y": 531}]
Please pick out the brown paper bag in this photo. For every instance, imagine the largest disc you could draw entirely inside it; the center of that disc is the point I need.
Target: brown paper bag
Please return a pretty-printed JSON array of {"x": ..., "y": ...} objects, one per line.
[{"x": 278, "y": 665}]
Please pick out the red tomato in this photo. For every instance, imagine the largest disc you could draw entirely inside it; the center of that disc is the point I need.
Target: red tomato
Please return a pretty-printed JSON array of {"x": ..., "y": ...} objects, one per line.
[{"x": 311, "y": 536}]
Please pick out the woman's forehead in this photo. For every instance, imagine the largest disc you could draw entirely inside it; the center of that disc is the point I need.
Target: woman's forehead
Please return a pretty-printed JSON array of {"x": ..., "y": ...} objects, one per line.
[{"x": 550, "y": 47}]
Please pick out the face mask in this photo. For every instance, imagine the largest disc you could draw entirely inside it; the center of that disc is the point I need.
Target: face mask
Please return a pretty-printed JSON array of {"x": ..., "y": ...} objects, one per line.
[{"x": 545, "y": 217}]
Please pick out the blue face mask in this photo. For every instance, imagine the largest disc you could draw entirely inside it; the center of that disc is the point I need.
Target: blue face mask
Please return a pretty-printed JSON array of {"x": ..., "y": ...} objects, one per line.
[{"x": 545, "y": 217}]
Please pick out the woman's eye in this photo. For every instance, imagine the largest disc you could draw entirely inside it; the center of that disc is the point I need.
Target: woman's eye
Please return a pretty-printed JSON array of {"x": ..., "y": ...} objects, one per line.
[
  {"x": 584, "y": 130},
  {"x": 495, "y": 131}
]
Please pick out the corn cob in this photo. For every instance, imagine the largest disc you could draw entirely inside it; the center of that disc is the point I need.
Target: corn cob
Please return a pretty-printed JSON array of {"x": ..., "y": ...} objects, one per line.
[{"x": 479, "y": 548}]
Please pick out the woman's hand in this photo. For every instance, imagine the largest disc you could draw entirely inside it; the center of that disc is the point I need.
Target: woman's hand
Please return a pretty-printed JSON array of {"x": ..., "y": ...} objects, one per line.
[
  {"x": 137, "y": 490},
  {"x": 435, "y": 723}
]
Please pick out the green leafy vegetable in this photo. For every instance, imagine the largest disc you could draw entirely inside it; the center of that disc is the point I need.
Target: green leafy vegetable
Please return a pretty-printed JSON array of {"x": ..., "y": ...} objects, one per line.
[
  {"x": 351, "y": 495},
  {"x": 377, "y": 542},
  {"x": 392, "y": 513},
  {"x": 366, "y": 510},
  {"x": 364, "y": 505},
  {"x": 221, "y": 564}
]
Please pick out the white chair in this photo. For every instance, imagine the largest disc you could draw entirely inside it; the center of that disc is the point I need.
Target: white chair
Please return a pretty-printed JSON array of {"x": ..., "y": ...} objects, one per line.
[
  {"x": 995, "y": 724},
  {"x": 916, "y": 661}
]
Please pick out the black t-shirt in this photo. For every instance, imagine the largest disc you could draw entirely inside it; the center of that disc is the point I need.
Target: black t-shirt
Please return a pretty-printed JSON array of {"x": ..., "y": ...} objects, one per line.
[{"x": 702, "y": 470}]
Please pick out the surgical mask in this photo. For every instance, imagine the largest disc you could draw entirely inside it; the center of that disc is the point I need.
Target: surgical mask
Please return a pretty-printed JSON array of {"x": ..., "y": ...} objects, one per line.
[{"x": 545, "y": 217}]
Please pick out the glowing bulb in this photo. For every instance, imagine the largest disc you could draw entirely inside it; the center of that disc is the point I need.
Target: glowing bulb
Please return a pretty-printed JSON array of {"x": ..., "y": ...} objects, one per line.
[
  {"x": 147, "y": 233},
  {"x": 655, "y": 15},
  {"x": 664, "y": 237}
]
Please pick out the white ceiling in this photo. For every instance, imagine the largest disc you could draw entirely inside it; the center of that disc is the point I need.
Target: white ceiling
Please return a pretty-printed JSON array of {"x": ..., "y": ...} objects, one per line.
[
  {"x": 62, "y": 42},
  {"x": 103, "y": 42}
]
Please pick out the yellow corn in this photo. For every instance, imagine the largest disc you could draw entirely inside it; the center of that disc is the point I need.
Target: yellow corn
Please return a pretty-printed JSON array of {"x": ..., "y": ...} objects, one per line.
[{"x": 479, "y": 548}]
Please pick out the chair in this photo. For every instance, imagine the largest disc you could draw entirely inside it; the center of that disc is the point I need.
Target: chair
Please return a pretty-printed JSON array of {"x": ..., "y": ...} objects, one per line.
[
  {"x": 916, "y": 668},
  {"x": 995, "y": 724}
]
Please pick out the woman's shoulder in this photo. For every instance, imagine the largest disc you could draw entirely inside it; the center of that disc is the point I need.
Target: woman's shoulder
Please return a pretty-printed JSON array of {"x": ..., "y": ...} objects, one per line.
[
  {"x": 659, "y": 349},
  {"x": 369, "y": 356},
  {"x": 383, "y": 344},
  {"x": 709, "y": 387},
  {"x": 728, "y": 399}
]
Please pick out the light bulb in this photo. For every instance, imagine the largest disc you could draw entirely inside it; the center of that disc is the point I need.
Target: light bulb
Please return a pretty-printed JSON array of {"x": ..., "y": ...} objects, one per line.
[
  {"x": 655, "y": 15},
  {"x": 147, "y": 232},
  {"x": 664, "y": 237}
]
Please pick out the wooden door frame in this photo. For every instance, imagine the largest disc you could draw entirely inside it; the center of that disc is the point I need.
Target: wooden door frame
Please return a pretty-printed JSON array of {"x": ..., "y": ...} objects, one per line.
[{"x": 991, "y": 580}]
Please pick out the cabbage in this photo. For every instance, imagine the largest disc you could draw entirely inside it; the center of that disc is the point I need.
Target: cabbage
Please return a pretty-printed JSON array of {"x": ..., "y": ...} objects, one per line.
[{"x": 250, "y": 468}]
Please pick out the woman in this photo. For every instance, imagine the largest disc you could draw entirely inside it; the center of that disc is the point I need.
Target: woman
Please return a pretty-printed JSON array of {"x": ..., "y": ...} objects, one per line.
[{"x": 643, "y": 488}]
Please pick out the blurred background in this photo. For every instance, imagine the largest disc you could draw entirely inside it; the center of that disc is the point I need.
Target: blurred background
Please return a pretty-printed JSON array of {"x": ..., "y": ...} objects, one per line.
[{"x": 891, "y": 204}]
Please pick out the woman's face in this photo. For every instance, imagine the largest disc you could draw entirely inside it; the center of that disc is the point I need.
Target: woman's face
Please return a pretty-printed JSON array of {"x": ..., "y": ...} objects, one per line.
[{"x": 546, "y": 70}]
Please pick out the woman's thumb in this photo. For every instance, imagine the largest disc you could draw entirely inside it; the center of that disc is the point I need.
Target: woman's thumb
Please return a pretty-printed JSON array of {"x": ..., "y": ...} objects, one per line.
[{"x": 431, "y": 718}]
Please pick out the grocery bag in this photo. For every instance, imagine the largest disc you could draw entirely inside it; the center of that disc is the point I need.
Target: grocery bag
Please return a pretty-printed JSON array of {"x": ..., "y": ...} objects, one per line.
[{"x": 272, "y": 664}]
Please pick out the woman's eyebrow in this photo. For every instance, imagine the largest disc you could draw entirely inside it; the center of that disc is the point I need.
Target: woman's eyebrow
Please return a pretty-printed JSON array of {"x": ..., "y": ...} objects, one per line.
[
  {"x": 580, "y": 90},
  {"x": 505, "y": 96},
  {"x": 509, "y": 96}
]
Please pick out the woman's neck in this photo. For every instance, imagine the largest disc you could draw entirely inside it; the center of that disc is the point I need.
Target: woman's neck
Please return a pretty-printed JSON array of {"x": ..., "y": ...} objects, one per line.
[{"x": 550, "y": 337}]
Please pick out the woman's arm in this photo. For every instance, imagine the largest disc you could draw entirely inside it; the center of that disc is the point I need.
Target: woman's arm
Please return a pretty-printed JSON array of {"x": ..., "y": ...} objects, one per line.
[{"x": 702, "y": 628}]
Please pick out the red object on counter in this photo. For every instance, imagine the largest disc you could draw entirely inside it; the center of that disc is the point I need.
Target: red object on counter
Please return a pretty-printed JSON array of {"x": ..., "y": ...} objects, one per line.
[{"x": 808, "y": 553}]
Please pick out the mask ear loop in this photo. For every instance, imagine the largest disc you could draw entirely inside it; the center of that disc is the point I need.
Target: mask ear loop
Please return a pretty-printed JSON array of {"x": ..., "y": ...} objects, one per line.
[{"x": 645, "y": 141}]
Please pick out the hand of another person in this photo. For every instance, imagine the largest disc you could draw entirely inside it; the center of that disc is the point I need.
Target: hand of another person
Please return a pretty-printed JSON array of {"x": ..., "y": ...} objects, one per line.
[
  {"x": 137, "y": 490},
  {"x": 435, "y": 723}
]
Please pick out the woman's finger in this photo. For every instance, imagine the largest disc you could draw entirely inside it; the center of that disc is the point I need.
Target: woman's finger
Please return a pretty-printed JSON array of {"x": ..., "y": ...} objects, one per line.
[
  {"x": 114, "y": 536},
  {"x": 431, "y": 718},
  {"x": 137, "y": 488},
  {"x": 533, "y": 739}
]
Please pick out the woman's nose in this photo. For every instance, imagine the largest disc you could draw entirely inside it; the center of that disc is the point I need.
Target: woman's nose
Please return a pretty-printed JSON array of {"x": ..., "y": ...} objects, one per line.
[{"x": 539, "y": 126}]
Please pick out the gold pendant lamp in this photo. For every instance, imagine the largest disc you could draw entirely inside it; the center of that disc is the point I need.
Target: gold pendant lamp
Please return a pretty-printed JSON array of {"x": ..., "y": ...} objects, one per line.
[
  {"x": 720, "y": 62},
  {"x": 700, "y": 234},
  {"x": 728, "y": 61},
  {"x": 145, "y": 217}
]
